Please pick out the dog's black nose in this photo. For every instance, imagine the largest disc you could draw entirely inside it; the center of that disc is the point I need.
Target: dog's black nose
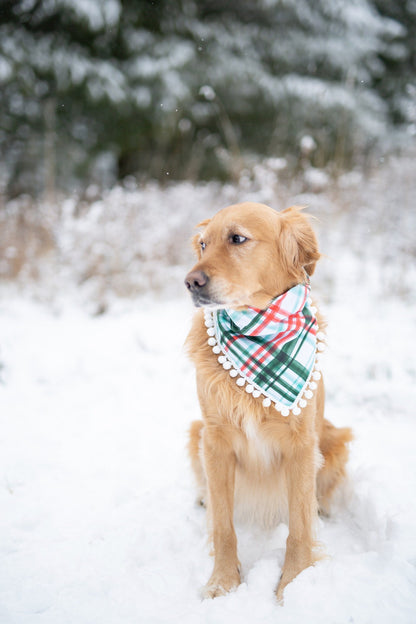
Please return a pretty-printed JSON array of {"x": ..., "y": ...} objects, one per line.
[{"x": 195, "y": 280}]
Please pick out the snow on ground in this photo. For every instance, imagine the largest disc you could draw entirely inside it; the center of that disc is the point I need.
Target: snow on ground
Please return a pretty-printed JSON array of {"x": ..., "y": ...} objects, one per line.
[{"x": 98, "y": 521}]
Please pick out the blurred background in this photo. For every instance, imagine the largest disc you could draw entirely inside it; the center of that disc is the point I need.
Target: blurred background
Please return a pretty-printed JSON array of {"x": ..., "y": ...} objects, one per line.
[{"x": 124, "y": 122}]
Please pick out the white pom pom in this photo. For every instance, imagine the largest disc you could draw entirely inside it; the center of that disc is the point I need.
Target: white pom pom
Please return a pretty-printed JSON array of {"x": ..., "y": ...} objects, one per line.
[
  {"x": 285, "y": 412},
  {"x": 256, "y": 394},
  {"x": 233, "y": 372},
  {"x": 296, "y": 411},
  {"x": 227, "y": 365},
  {"x": 249, "y": 388},
  {"x": 209, "y": 322},
  {"x": 313, "y": 385},
  {"x": 216, "y": 350},
  {"x": 302, "y": 403},
  {"x": 211, "y": 331},
  {"x": 314, "y": 310},
  {"x": 240, "y": 382},
  {"x": 321, "y": 346},
  {"x": 222, "y": 359},
  {"x": 308, "y": 394},
  {"x": 212, "y": 342},
  {"x": 266, "y": 402},
  {"x": 320, "y": 335},
  {"x": 316, "y": 375}
]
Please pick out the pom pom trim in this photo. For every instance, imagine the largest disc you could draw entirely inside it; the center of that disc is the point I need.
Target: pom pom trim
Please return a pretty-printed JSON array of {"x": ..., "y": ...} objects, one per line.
[{"x": 255, "y": 391}]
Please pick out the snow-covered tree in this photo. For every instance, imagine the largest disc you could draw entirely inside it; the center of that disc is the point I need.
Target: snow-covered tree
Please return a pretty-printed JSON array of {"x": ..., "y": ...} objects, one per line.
[
  {"x": 98, "y": 90},
  {"x": 398, "y": 82}
]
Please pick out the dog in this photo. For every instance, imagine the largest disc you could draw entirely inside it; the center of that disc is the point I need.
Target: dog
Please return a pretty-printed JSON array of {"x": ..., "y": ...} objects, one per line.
[{"x": 268, "y": 465}]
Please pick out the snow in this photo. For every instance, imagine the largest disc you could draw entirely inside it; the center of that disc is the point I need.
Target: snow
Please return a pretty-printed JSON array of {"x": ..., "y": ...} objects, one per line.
[
  {"x": 97, "y": 15},
  {"x": 99, "y": 522}
]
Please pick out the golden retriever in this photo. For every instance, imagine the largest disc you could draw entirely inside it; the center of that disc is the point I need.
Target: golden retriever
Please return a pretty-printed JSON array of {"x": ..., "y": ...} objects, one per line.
[{"x": 248, "y": 458}]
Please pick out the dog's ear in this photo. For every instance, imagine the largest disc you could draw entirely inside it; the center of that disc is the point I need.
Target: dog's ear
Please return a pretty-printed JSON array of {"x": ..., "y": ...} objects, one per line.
[
  {"x": 298, "y": 243},
  {"x": 195, "y": 240}
]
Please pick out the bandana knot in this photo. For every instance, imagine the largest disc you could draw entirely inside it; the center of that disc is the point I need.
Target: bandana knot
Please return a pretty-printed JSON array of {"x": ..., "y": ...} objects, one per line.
[{"x": 272, "y": 352}]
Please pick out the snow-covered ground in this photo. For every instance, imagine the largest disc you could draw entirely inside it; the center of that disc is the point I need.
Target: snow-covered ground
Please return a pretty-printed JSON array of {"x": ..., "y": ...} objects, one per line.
[{"x": 98, "y": 521}]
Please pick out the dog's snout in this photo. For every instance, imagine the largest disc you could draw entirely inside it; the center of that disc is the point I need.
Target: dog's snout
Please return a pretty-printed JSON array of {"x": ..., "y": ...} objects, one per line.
[{"x": 195, "y": 280}]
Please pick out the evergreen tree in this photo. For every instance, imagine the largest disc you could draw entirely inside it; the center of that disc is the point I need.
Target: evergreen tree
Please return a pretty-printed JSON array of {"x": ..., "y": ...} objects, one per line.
[
  {"x": 185, "y": 88},
  {"x": 397, "y": 84}
]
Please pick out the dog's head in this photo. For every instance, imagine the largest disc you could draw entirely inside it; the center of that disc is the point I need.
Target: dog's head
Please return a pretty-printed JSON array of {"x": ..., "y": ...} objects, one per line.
[{"x": 248, "y": 254}]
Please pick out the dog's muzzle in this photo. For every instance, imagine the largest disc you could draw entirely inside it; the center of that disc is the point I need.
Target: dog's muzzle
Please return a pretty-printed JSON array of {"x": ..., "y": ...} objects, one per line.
[{"x": 197, "y": 283}]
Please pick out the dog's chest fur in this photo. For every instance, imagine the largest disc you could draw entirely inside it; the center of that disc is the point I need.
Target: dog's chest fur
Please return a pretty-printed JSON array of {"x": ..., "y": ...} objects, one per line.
[
  {"x": 259, "y": 449},
  {"x": 260, "y": 483}
]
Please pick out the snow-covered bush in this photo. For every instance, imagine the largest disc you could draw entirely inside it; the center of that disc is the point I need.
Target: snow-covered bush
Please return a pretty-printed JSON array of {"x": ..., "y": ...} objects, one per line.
[{"x": 135, "y": 239}]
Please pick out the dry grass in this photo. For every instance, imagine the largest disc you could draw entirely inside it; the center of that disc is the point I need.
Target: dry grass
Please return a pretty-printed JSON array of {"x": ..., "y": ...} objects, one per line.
[{"x": 130, "y": 241}]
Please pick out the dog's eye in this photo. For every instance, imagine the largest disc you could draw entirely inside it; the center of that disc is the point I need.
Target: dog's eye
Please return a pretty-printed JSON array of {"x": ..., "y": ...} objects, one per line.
[
  {"x": 203, "y": 245},
  {"x": 237, "y": 239}
]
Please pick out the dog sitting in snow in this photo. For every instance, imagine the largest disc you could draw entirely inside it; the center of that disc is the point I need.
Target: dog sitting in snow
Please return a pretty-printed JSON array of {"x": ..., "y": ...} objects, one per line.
[{"x": 263, "y": 447}]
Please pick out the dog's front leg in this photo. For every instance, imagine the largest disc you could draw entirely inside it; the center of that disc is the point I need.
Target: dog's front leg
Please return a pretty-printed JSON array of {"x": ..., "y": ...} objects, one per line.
[
  {"x": 301, "y": 479},
  {"x": 219, "y": 461}
]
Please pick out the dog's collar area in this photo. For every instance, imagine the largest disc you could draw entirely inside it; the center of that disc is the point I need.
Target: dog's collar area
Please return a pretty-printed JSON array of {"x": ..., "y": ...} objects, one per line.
[{"x": 274, "y": 354}]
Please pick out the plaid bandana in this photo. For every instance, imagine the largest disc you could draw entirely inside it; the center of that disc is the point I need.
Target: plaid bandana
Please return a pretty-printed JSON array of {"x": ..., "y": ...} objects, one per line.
[{"x": 271, "y": 352}]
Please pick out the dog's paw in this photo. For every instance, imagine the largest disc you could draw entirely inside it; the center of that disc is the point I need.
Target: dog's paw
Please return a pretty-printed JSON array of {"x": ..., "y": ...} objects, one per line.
[
  {"x": 220, "y": 585},
  {"x": 212, "y": 591},
  {"x": 279, "y": 595}
]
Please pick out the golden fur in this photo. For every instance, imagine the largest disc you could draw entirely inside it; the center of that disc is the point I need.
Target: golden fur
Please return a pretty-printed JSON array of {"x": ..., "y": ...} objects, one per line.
[{"x": 246, "y": 458}]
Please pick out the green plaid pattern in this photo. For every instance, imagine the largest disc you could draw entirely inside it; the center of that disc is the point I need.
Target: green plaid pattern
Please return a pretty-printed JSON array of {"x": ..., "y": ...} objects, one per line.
[{"x": 274, "y": 349}]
